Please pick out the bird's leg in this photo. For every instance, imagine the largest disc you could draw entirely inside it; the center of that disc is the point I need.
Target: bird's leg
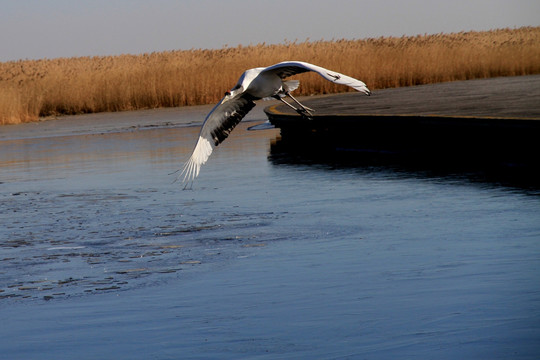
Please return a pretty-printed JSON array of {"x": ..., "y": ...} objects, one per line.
[
  {"x": 303, "y": 111},
  {"x": 286, "y": 103},
  {"x": 305, "y": 108}
]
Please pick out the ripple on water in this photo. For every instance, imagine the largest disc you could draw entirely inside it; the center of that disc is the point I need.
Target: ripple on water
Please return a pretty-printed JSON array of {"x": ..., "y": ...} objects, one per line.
[{"x": 97, "y": 241}]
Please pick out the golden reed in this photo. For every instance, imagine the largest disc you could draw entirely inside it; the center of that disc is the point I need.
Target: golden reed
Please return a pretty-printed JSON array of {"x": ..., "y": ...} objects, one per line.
[{"x": 33, "y": 88}]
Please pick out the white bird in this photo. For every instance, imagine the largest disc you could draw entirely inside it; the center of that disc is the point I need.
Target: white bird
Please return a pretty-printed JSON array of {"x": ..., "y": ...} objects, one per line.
[{"x": 254, "y": 84}]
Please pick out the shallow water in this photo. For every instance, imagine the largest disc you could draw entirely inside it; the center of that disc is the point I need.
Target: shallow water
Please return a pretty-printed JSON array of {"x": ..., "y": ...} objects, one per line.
[{"x": 269, "y": 256}]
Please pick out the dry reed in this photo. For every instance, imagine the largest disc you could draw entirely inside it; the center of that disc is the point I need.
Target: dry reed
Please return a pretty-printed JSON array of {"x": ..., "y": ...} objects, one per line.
[{"x": 33, "y": 88}]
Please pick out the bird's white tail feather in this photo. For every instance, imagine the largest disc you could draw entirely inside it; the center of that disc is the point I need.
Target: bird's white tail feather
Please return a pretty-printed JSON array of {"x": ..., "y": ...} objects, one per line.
[{"x": 291, "y": 85}]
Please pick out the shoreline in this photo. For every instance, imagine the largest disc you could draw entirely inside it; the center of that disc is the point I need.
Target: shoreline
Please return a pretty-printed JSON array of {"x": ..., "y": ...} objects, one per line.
[
  {"x": 91, "y": 85},
  {"x": 182, "y": 116}
]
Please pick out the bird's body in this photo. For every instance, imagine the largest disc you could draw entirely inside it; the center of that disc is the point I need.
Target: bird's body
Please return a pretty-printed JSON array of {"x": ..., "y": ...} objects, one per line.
[
  {"x": 262, "y": 84},
  {"x": 254, "y": 84}
]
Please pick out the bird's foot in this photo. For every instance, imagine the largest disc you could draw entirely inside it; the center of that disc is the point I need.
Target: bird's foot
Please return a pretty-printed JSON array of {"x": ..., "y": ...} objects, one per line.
[{"x": 305, "y": 114}]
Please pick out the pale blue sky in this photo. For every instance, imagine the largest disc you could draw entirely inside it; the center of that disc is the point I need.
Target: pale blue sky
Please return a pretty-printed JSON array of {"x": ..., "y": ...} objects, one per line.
[{"x": 63, "y": 28}]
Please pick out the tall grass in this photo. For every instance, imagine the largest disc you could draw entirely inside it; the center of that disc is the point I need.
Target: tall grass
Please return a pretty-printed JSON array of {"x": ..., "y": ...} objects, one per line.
[{"x": 33, "y": 88}]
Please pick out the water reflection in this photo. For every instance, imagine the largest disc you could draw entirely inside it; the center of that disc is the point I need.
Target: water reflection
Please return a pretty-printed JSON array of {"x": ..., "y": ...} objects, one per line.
[{"x": 515, "y": 171}]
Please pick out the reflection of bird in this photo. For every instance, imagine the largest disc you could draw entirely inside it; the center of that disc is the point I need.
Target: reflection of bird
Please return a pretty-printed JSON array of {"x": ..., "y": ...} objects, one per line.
[{"x": 254, "y": 84}]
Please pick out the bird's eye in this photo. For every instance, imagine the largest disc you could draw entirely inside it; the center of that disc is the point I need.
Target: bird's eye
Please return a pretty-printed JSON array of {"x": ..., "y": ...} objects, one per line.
[{"x": 227, "y": 93}]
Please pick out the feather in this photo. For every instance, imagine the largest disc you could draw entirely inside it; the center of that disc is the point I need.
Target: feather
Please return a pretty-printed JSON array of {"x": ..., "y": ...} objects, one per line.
[
  {"x": 217, "y": 126},
  {"x": 251, "y": 86},
  {"x": 289, "y": 68}
]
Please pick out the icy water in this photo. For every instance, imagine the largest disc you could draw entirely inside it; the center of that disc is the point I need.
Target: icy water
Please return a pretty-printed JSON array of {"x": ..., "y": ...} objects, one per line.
[{"x": 269, "y": 256}]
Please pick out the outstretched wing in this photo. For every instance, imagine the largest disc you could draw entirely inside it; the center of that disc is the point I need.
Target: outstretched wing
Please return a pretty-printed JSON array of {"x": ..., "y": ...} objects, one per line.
[
  {"x": 216, "y": 127},
  {"x": 288, "y": 68}
]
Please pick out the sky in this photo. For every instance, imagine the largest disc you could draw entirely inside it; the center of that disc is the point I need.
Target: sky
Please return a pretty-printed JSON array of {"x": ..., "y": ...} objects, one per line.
[{"x": 34, "y": 29}]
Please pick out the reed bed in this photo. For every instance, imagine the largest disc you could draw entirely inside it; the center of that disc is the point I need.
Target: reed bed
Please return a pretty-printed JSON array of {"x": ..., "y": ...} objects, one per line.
[{"x": 30, "y": 89}]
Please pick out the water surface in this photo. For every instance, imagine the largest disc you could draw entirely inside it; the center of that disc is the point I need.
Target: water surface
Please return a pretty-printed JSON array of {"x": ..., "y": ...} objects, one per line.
[{"x": 271, "y": 255}]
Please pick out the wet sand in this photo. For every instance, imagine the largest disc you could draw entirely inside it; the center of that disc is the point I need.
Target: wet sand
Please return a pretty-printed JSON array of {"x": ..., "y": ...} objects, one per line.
[{"x": 271, "y": 255}]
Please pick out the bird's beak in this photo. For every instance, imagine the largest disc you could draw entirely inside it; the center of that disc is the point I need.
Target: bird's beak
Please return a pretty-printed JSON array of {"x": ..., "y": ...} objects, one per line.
[
  {"x": 226, "y": 97},
  {"x": 230, "y": 94}
]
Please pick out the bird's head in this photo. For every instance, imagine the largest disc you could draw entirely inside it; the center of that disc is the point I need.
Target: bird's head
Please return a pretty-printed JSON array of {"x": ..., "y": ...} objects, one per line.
[
  {"x": 231, "y": 94},
  {"x": 227, "y": 97}
]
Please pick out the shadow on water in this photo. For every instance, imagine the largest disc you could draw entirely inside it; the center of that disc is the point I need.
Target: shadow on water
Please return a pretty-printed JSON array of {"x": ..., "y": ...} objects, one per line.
[{"x": 511, "y": 170}]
